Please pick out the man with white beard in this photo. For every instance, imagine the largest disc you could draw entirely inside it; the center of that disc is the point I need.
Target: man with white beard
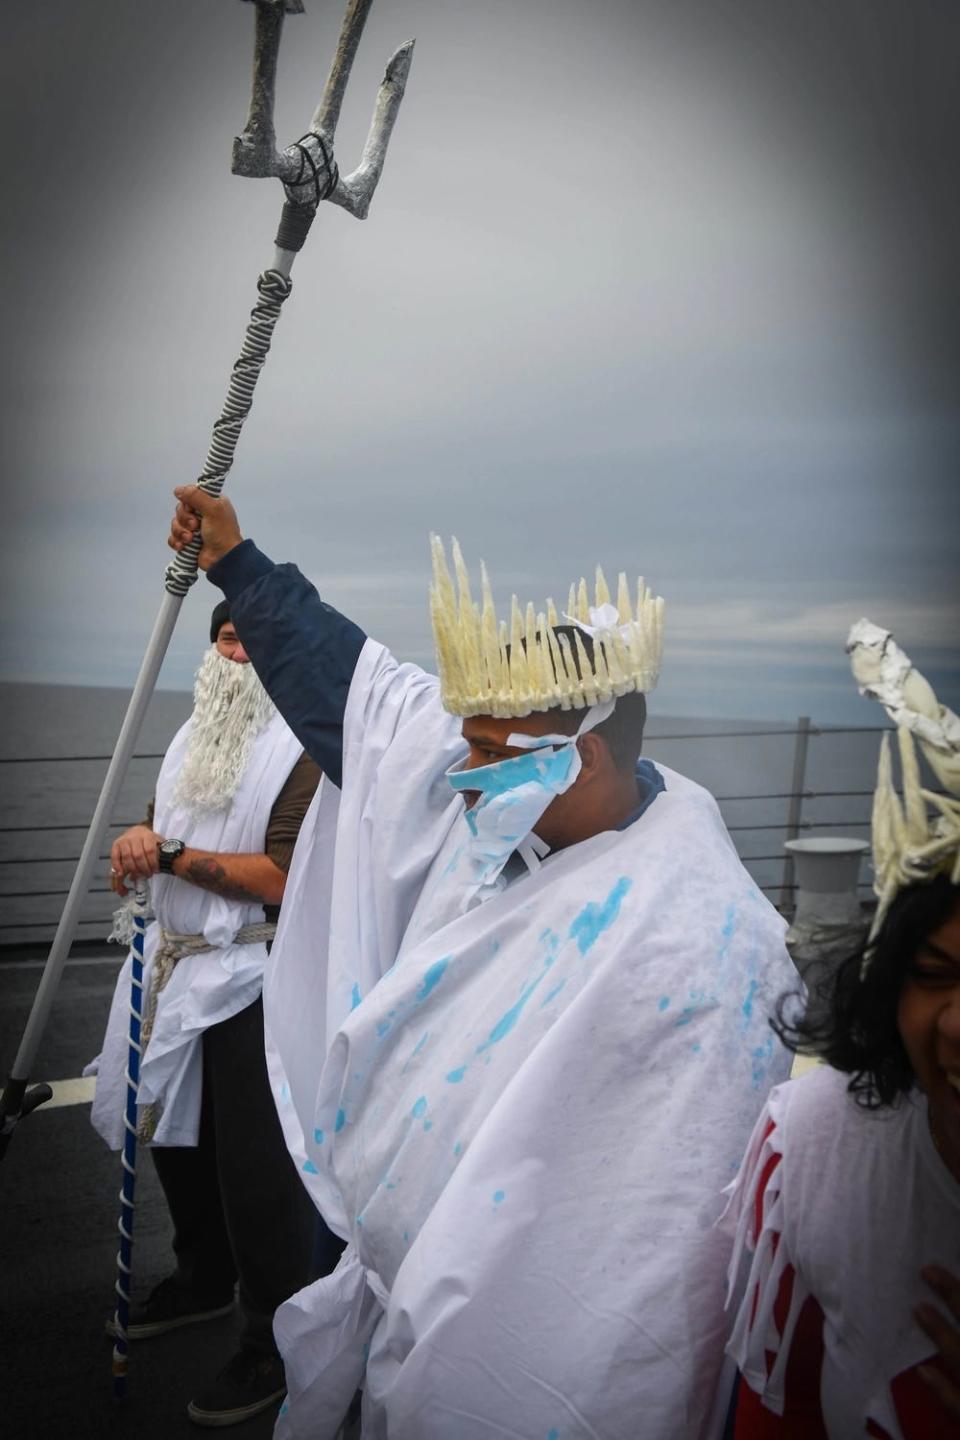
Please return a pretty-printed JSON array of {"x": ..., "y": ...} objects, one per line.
[{"x": 231, "y": 796}]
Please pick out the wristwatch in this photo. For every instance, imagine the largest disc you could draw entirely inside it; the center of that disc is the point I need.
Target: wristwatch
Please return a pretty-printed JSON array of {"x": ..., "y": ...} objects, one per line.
[{"x": 168, "y": 851}]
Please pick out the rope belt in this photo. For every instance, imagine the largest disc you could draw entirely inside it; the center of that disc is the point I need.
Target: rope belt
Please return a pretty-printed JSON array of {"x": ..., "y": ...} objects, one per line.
[{"x": 172, "y": 948}]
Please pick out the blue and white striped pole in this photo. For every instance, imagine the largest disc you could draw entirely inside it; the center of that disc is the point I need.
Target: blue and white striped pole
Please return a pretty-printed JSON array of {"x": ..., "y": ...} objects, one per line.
[{"x": 129, "y": 1155}]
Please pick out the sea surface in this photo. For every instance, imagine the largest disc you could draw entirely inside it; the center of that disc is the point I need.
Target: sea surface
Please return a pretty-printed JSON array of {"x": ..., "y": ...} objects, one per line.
[{"x": 55, "y": 741}]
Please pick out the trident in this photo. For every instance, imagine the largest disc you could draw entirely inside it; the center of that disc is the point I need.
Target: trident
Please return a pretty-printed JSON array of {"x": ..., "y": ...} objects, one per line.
[{"x": 309, "y": 174}]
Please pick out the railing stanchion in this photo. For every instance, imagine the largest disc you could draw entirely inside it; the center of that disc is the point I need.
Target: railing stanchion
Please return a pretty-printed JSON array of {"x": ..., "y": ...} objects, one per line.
[
  {"x": 782, "y": 891},
  {"x": 796, "y": 804}
]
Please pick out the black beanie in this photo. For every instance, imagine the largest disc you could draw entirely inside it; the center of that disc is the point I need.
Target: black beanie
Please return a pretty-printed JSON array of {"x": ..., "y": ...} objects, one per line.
[{"x": 219, "y": 618}]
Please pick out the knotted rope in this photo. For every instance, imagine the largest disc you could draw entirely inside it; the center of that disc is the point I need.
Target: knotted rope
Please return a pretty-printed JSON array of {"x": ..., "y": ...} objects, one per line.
[
  {"x": 274, "y": 289},
  {"x": 910, "y": 845},
  {"x": 172, "y": 948}
]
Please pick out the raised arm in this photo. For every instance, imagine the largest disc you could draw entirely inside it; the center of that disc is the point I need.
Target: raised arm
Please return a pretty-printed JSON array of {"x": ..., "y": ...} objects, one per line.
[{"x": 303, "y": 650}]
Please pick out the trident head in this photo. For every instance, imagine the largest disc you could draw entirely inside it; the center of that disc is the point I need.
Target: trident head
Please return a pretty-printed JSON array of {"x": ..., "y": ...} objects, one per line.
[{"x": 307, "y": 168}]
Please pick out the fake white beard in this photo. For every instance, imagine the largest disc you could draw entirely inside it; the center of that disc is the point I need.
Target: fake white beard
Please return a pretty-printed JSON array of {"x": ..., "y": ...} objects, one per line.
[{"x": 230, "y": 708}]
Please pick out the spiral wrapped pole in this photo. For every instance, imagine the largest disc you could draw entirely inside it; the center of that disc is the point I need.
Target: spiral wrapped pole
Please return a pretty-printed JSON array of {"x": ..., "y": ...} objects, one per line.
[
  {"x": 128, "y": 1157},
  {"x": 274, "y": 288}
]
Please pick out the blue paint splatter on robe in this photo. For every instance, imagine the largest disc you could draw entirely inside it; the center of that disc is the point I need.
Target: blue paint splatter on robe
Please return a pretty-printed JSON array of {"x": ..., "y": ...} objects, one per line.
[
  {"x": 432, "y": 977},
  {"x": 594, "y": 919}
]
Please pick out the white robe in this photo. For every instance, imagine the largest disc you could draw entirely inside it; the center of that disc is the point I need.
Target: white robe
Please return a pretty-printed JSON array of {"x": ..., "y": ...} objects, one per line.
[
  {"x": 203, "y": 989},
  {"x": 523, "y": 1126},
  {"x": 859, "y": 1202}
]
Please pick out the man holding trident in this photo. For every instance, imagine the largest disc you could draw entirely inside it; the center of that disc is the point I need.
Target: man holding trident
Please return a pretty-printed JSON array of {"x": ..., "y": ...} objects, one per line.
[
  {"x": 231, "y": 796},
  {"x": 515, "y": 1016}
]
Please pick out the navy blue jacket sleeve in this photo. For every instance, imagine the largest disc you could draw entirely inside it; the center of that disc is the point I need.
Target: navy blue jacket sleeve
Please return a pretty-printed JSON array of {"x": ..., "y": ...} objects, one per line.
[{"x": 303, "y": 650}]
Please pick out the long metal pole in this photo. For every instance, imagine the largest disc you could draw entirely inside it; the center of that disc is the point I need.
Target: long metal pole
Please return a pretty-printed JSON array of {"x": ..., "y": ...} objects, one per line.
[
  {"x": 312, "y": 173},
  {"x": 274, "y": 286}
]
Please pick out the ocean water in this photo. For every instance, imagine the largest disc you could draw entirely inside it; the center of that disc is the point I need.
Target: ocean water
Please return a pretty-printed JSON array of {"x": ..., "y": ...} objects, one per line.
[
  {"x": 49, "y": 792},
  {"x": 49, "y": 797}
]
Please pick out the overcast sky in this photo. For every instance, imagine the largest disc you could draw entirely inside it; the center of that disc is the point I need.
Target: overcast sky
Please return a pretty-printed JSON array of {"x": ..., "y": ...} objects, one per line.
[{"x": 665, "y": 284}]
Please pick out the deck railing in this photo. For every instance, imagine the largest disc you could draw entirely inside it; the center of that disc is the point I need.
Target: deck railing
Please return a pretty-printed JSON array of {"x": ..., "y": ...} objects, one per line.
[{"x": 30, "y": 902}]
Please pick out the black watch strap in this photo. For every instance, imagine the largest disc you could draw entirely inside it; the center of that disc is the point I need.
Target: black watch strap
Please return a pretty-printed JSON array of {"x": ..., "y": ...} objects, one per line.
[{"x": 167, "y": 852}]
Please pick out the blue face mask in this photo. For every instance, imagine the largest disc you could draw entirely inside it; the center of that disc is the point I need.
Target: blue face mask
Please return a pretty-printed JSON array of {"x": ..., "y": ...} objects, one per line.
[{"x": 514, "y": 794}]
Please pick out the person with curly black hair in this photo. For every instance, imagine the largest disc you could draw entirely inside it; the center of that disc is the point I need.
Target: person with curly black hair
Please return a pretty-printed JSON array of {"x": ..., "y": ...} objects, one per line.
[{"x": 849, "y": 1194}]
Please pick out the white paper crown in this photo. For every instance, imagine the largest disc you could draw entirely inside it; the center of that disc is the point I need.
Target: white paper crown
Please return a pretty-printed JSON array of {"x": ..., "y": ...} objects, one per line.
[
  {"x": 917, "y": 837},
  {"x": 486, "y": 669}
]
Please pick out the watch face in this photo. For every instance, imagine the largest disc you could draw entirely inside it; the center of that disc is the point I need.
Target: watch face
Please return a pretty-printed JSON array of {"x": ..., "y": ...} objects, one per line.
[{"x": 169, "y": 851}]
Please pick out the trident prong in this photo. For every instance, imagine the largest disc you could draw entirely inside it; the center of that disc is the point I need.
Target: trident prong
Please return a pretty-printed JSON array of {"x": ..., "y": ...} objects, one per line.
[{"x": 307, "y": 169}]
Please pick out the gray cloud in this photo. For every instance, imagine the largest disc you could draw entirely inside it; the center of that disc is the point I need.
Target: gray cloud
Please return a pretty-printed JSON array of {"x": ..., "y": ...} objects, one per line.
[{"x": 664, "y": 285}]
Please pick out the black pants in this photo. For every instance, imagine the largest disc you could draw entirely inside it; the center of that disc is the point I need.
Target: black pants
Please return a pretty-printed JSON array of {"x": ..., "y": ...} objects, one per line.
[{"x": 239, "y": 1209}]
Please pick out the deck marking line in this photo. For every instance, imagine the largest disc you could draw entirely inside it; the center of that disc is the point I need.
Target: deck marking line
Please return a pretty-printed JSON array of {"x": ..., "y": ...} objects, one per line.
[
  {"x": 80, "y": 960},
  {"x": 70, "y": 1092}
]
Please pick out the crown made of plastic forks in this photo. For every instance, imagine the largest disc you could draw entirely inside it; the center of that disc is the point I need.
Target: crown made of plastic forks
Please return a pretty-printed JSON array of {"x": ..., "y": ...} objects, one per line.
[
  {"x": 918, "y": 836},
  {"x": 489, "y": 668}
]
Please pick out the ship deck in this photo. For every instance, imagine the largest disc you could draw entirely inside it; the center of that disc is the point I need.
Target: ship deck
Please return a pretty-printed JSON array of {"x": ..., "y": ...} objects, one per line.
[{"x": 58, "y": 1244}]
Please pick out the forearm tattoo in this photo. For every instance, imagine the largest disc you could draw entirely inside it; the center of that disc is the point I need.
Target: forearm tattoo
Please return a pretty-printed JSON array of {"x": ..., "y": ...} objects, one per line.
[{"x": 209, "y": 874}]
